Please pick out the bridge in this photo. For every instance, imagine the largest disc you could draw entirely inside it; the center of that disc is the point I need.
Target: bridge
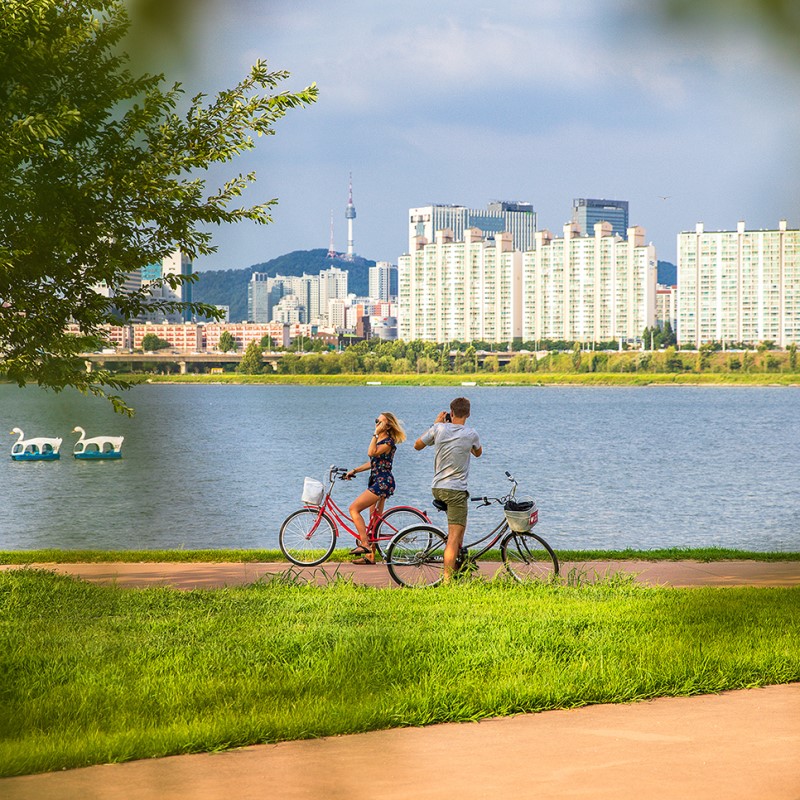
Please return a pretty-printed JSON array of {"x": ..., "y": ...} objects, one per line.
[
  {"x": 185, "y": 360},
  {"x": 182, "y": 360}
]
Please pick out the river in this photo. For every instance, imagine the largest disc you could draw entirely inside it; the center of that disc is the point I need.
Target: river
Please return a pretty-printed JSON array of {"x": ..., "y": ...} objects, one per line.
[{"x": 221, "y": 466}]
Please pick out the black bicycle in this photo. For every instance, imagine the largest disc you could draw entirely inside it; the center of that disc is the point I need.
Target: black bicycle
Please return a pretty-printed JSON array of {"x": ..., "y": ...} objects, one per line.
[{"x": 415, "y": 556}]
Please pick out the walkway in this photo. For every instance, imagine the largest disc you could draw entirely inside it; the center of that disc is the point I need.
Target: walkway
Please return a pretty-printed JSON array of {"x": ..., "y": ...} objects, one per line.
[
  {"x": 210, "y": 576},
  {"x": 734, "y": 746}
]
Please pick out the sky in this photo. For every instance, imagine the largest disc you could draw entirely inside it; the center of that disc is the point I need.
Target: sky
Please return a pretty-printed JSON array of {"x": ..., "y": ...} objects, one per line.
[{"x": 538, "y": 101}]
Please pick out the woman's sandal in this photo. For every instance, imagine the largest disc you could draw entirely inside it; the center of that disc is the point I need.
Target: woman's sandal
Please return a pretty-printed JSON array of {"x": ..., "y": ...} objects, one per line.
[
  {"x": 364, "y": 561},
  {"x": 360, "y": 550}
]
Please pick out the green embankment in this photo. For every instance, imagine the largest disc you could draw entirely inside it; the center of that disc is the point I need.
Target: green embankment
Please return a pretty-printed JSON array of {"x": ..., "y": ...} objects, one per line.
[
  {"x": 53, "y": 556},
  {"x": 94, "y": 674},
  {"x": 491, "y": 379}
]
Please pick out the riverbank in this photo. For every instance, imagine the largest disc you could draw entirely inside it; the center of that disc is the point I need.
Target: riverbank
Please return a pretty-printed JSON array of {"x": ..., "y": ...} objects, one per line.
[
  {"x": 341, "y": 555},
  {"x": 488, "y": 379}
]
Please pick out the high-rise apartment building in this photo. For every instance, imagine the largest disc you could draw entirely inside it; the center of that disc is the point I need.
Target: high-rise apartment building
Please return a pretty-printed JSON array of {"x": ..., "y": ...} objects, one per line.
[
  {"x": 516, "y": 218},
  {"x": 588, "y": 288},
  {"x": 460, "y": 290},
  {"x": 739, "y": 286},
  {"x": 587, "y": 212},
  {"x": 667, "y": 306},
  {"x": 265, "y": 292},
  {"x": 332, "y": 286},
  {"x": 380, "y": 280}
]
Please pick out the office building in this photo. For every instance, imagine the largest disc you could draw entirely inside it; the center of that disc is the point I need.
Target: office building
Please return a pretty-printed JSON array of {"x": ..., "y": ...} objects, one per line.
[
  {"x": 518, "y": 219},
  {"x": 177, "y": 263},
  {"x": 380, "y": 280},
  {"x": 460, "y": 290},
  {"x": 587, "y": 212},
  {"x": 739, "y": 286},
  {"x": 588, "y": 288}
]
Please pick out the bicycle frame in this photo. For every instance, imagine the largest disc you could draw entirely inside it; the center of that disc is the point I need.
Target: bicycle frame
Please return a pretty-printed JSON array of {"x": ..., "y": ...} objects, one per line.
[
  {"x": 339, "y": 518},
  {"x": 498, "y": 532}
]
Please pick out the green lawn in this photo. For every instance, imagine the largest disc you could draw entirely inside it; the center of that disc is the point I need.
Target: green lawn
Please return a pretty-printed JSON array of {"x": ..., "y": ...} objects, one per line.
[
  {"x": 542, "y": 378},
  {"x": 215, "y": 556},
  {"x": 93, "y": 674}
]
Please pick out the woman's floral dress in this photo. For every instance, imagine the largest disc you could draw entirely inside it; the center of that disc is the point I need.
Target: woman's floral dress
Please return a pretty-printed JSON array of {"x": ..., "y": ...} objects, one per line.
[{"x": 381, "y": 480}]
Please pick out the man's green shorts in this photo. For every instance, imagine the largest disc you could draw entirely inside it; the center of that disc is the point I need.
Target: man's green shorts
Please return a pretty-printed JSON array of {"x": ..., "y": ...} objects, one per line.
[{"x": 456, "y": 505}]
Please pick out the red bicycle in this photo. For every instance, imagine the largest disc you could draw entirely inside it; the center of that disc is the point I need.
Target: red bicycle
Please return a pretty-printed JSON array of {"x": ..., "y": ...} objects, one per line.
[{"x": 308, "y": 536}]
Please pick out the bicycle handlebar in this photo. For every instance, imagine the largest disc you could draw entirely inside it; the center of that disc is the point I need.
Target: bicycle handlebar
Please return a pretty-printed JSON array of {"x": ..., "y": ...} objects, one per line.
[
  {"x": 486, "y": 501},
  {"x": 337, "y": 472}
]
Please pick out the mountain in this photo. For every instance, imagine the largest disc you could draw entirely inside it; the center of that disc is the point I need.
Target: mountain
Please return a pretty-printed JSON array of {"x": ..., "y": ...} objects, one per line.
[
  {"x": 229, "y": 287},
  {"x": 667, "y": 273}
]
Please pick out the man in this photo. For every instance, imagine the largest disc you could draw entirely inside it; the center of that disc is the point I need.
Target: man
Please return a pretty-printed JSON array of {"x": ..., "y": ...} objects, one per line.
[{"x": 454, "y": 443}]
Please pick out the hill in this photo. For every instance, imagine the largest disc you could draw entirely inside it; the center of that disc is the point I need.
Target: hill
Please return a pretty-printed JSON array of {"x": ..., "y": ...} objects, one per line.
[
  {"x": 667, "y": 273},
  {"x": 229, "y": 287}
]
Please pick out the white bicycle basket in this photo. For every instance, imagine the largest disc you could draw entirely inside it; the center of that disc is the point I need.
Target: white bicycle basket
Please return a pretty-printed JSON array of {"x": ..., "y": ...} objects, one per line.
[
  {"x": 521, "y": 514},
  {"x": 313, "y": 492}
]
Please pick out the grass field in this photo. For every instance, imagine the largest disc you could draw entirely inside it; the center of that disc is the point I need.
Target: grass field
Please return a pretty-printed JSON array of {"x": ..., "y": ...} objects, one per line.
[
  {"x": 258, "y": 556},
  {"x": 94, "y": 674}
]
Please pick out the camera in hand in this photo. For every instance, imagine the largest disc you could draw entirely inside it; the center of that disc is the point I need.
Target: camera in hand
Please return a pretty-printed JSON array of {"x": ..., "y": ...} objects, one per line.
[{"x": 447, "y": 417}]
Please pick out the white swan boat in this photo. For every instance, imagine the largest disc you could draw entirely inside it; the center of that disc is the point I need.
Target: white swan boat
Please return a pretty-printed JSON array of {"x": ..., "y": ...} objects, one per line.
[
  {"x": 41, "y": 448},
  {"x": 98, "y": 448}
]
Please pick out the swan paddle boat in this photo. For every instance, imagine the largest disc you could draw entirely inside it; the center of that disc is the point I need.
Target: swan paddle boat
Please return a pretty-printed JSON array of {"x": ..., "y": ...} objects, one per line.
[
  {"x": 41, "y": 448},
  {"x": 98, "y": 448}
]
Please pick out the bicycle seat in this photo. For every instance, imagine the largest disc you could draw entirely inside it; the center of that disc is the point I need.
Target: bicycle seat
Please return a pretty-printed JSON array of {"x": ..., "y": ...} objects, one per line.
[{"x": 440, "y": 504}]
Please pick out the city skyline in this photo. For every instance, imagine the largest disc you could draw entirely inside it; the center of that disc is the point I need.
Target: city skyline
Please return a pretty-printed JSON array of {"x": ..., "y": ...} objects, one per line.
[{"x": 538, "y": 103}]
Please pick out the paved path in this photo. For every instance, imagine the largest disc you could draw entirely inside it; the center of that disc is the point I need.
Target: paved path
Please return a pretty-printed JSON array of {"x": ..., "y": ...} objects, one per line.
[
  {"x": 741, "y": 745},
  {"x": 210, "y": 576}
]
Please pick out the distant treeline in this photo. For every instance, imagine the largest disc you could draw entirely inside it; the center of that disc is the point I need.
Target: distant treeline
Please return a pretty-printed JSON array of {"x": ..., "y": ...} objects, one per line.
[{"x": 425, "y": 357}]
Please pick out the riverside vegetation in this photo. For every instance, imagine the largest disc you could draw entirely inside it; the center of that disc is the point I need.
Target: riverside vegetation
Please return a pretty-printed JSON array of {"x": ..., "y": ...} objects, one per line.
[
  {"x": 94, "y": 674},
  {"x": 532, "y": 362}
]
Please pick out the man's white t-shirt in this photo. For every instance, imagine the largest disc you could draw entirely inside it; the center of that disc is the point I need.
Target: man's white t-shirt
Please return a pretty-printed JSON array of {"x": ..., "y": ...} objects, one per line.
[{"x": 454, "y": 445}]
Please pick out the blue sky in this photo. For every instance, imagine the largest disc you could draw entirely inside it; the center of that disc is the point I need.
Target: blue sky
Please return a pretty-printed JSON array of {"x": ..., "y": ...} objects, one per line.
[{"x": 539, "y": 101}]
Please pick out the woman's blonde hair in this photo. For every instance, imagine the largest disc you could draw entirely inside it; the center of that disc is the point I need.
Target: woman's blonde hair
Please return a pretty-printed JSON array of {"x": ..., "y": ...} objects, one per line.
[{"x": 394, "y": 427}]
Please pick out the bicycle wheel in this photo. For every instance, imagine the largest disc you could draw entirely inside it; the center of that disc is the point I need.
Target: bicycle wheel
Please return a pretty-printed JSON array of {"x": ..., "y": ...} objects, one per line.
[
  {"x": 307, "y": 537},
  {"x": 528, "y": 557},
  {"x": 415, "y": 556},
  {"x": 392, "y": 522}
]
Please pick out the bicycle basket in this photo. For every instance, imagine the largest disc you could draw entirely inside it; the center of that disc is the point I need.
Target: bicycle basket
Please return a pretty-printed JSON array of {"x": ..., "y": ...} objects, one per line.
[
  {"x": 521, "y": 514},
  {"x": 313, "y": 492}
]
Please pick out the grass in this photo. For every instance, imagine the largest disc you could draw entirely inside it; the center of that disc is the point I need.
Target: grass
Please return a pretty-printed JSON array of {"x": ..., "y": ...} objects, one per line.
[
  {"x": 53, "y": 556},
  {"x": 94, "y": 674},
  {"x": 492, "y": 379}
]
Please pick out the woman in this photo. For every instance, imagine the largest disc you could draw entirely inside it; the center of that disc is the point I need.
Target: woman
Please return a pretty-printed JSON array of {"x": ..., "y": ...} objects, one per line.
[{"x": 388, "y": 434}]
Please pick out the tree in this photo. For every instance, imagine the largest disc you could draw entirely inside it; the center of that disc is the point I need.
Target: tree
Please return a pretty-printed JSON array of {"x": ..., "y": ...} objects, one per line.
[
  {"x": 227, "y": 343},
  {"x": 251, "y": 363},
  {"x": 99, "y": 177},
  {"x": 150, "y": 341},
  {"x": 491, "y": 364}
]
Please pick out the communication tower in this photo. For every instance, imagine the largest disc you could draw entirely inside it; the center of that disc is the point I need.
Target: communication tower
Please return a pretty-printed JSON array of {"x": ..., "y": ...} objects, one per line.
[{"x": 350, "y": 215}]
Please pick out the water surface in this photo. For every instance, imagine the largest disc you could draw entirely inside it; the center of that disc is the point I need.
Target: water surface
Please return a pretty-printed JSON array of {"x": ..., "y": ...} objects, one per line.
[{"x": 221, "y": 466}]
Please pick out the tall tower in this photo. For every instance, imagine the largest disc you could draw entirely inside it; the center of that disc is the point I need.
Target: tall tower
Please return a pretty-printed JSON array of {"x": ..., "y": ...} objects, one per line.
[{"x": 350, "y": 215}]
